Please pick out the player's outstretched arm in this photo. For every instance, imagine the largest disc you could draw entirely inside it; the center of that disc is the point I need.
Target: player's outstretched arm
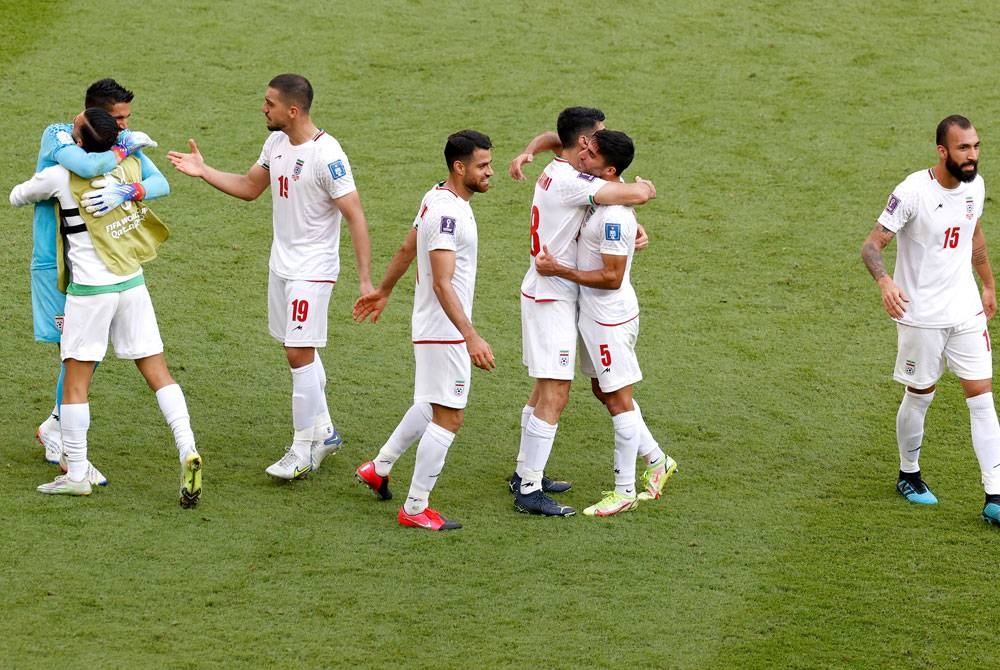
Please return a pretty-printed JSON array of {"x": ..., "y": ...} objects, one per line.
[
  {"x": 372, "y": 304},
  {"x": 244, "y": 186},
  {"x": 893, "y": 299},
  {"x": 981, "y": 264}
]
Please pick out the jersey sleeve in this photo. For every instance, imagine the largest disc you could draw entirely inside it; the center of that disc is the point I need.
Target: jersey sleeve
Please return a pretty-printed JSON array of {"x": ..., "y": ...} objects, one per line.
[
  {"x": 438, "y": 228},
  {"x": 58, "y": 146},
  {"x": 153, "y": 182},
  {"x": 577, "y": 189},
  {"x": 264, "y": 160},
  {"x": 899, "y": 209},
  {"x": 618, "y": 231},
  {"x": 333, "y": 172},
  {"x": 42, "y": 186}
]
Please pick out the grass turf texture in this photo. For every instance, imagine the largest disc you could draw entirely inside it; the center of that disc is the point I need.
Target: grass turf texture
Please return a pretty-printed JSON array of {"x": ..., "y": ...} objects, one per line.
[{"x": 773, "y": 131}]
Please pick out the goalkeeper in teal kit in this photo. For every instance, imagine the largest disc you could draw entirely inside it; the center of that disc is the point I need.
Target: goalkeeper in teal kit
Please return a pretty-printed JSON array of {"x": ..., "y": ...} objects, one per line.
[{"x": 58, "y": 147}]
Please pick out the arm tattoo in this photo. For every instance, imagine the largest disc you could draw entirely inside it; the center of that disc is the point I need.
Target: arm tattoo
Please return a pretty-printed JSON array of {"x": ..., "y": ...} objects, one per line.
[
  {"x": 979, "y": 256},
  {"x": 872, "y": 257},
  {"x": 871, "y": 252}
]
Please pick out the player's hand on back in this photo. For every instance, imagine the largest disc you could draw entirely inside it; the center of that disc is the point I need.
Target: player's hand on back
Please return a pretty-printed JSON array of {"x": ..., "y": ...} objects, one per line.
[
  {"x": 545, "y": 263},
  {"x": 109, "y": 194},
  {"x": 641, "y": 238},
  {"x": 516, "y": 169},
  {"x": 130, "y": 141}
]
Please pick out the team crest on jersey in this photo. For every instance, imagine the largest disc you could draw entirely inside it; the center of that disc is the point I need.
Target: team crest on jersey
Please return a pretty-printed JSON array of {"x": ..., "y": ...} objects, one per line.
[
  {"x": 459, "y": 387},
  {"x": 447, "y": 225},
  {"x": 337, "y": 169},
  {"x": 297, "y": 172},
  {"x": 892, "y": 204},
  {"x": 612, "y": 231},
  {"x": 910, "y": 367},
  {"x": 970, "y": 207},
  {"x": 59, "y": 322},
  {"x": 586, "y": 177},
  {"x": 564, "y": 357}
]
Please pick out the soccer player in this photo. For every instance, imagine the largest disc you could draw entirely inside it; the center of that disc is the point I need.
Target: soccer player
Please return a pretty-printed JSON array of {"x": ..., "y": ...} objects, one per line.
[
  {"x": 548, "y": 304},
  {"x": 59, "y": 148},
  {"x": 107, "y": 298},
  {"x": 312, "y": 189},
  {"x": 939, "y": 312},
  {"x": 609, "y": 326},
  {"x": 444, "y": 241}
]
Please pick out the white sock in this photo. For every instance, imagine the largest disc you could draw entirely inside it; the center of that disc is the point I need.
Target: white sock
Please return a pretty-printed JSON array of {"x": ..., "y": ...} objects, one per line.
[
  {"x": 413, "y": 424},
  {"x": 323, "y": 423},
  {"x": 526, "y": 413},
  {"x": 431, "y": 452},
  {"x": 538, "y": 439},
  {"x": 305, "y": 397},
  {"x": 910, "y": 428},
  {"x": 75, "y": 422},
  {"x": 986, "y": 439},
  {"x": 626, "y": 447},
  {"x": 649, "y": 448},
  {"x": 175, "y": 411}
]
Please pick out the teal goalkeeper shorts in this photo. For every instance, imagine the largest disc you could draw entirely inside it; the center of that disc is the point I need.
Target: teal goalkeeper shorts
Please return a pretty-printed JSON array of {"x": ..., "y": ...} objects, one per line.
[{"x": 48, "y": 305}]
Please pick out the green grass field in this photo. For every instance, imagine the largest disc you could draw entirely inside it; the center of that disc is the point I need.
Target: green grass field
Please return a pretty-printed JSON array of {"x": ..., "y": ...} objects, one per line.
[{"x": 773, "y": 131}]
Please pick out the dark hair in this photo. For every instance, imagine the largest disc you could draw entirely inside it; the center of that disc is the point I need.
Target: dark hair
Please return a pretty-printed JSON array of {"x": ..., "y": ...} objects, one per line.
[
  {"x": 616, "y": 148},
  {"x": 948, "y": 122},
  {"x": 99, "y": 130},
  {"x": 295, "y": 90},
  {"x": 575, "y": 121},
  {"x": 461, "y": 145},
  {"x": 106, "y": 93}
]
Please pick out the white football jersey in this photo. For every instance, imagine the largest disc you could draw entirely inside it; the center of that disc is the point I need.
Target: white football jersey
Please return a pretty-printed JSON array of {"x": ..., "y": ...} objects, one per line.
[
  {"x": 562, "y": 195},
  {"x": 305, "y": 180},
  {"x": 444, "y": 221},
  {"x": 934, "y": 227},
  {"x": 611, "y": 229},
  {"x": 83, "y": 264}
]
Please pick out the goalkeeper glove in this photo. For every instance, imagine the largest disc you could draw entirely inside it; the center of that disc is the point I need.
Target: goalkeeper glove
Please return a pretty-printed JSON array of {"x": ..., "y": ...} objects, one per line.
[
  {"x": 130, "y": 141},
  {"x": 110, "y": 195}
]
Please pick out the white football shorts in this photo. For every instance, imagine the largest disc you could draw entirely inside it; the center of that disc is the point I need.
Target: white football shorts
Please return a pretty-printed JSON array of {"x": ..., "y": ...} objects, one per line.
[
  {"x": 923, "y": 352},
  {"x": 607, "y": 353},
  {"x": 297, "y": 310},
  {"x": 443, "y": 374},
  {"x": 548, "y": 338},
  {"x": 126, "y": 318}
]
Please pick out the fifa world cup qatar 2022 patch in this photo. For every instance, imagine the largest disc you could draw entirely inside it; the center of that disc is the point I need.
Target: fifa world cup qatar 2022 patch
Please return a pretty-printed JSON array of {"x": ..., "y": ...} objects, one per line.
[
  {"x": 448, "y": 225},
  {"x": 586, "y": 177},
  {"x": 612, "y": 232},
  {"x": 893, "y": 203},
  {"x": 337, "y": 169}
]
